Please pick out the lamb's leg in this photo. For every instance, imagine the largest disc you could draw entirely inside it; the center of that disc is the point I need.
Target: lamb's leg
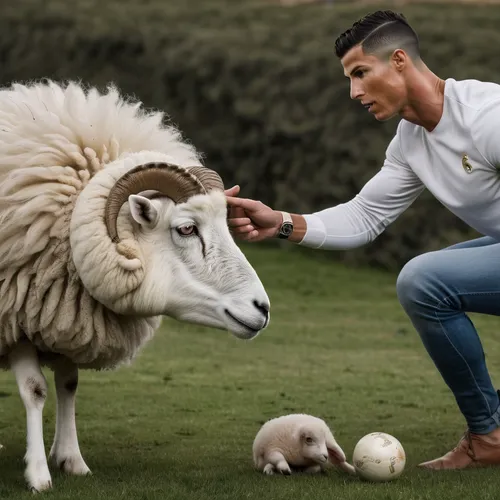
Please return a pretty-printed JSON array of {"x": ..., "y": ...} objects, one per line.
[
  {"x": 33, "y": 391},
  {"x": 65, "y": 451},
  {"x": 276, "y": 462}
]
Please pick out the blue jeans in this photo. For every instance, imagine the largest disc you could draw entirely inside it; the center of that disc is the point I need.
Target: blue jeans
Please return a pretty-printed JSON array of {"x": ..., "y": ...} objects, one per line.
[{"x": 436, "y": 290}]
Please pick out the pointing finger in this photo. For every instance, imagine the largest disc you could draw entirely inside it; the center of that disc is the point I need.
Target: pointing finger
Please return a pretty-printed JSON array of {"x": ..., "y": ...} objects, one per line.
[{"x": 244, "y": 203}]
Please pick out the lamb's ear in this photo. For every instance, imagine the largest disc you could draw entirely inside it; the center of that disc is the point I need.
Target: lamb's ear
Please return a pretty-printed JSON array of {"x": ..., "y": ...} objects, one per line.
[
  {"x": 335, "y": 452},
  {"x": 337, "y": 456},
  {"x": 142, "y": 210}
]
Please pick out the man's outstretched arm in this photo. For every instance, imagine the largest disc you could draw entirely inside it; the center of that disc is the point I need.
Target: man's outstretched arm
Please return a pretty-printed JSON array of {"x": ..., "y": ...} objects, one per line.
[{"x": 349, "y": 225}]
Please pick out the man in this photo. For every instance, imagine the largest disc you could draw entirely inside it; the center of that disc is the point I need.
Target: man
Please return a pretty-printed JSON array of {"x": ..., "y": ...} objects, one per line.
[{"x": 448, "y": 141}]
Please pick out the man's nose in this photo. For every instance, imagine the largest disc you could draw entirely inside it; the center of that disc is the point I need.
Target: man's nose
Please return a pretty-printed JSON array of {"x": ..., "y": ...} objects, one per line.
[{"x": 356, "y": 91}]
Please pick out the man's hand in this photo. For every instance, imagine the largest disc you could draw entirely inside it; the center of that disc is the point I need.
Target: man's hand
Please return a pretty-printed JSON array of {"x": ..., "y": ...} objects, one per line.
[{"x": 251, "y": 220}]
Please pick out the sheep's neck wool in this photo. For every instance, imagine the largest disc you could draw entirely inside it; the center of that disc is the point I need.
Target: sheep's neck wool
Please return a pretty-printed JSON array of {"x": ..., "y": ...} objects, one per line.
[
  {"x": 458, "y": 162},
  {"x": 41, "y": 294}
]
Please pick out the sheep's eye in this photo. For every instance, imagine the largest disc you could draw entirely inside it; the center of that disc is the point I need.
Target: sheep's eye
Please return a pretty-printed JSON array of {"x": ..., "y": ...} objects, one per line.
[
  {"x": 187, "y": 230},
  {"x": 309, "y": 440}
]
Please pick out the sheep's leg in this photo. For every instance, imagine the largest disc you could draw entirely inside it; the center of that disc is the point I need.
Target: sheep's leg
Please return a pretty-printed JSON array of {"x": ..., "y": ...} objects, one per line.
[
  {"x": 33, "y": 391},
  {"x": 65, "y": 451},
  {"x": 276, "y": 462}
]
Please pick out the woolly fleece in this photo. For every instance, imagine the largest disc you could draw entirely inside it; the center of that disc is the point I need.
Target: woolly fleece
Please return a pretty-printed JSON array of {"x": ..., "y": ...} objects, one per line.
[{"x": 53, "y": 140}]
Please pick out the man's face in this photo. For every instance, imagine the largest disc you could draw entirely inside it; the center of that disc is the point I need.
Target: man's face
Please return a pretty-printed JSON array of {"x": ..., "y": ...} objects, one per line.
[{"x": 377, "y": 83}]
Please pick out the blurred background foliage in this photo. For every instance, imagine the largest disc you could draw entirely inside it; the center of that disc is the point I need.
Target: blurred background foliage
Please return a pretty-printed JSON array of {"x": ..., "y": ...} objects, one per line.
[{"x": 255, "y": 85}]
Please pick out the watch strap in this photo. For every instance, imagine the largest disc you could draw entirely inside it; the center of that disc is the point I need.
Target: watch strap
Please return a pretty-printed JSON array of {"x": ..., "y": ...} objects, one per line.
[
  {"x": 286, "y": 227},
  {"x": 286, "y": 217}
]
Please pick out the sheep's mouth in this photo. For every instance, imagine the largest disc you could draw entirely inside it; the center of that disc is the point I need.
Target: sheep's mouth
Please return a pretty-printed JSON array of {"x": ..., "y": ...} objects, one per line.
[{"x": 241, "y": 323}]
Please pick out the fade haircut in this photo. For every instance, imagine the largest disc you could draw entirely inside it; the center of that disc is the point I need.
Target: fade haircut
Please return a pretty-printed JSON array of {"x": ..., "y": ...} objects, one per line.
[{"x": 380, "y": 34}]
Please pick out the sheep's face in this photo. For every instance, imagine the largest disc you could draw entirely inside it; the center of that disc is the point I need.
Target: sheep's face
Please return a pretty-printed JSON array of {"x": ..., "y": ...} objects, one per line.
[
  {"x": 313, "y": 443},
  {"x": 195, "y": 272}
]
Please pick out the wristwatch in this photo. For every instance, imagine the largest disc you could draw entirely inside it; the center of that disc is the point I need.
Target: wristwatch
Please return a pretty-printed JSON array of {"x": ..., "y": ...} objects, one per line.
[{"x": 286, "y": 228}]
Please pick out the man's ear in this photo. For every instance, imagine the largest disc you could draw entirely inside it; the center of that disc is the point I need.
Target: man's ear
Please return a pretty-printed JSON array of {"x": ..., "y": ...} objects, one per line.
[
  {"x": 142, "y": 210},
  {"x": 399, "y": 59}
]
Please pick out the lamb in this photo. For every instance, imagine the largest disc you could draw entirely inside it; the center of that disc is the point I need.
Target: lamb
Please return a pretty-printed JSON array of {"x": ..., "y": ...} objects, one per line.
[
  {"x": 109, "y": 222},
  {"x": 297, "y": 441}
]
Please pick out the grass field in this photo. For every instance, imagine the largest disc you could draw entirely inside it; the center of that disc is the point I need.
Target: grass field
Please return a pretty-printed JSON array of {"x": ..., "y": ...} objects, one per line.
[{"x": 179, "y": 423}]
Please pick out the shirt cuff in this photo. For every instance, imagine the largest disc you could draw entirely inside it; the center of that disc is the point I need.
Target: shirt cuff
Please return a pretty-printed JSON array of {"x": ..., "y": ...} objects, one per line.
[{"x": 315, "y": 232}]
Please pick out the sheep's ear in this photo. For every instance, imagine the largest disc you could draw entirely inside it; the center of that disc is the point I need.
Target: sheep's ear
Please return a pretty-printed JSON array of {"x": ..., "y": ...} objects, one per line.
[
  {"x": 142, "y": 210},
  {"x": 335, "y": 452},
  {"x": 337, "y": 456}
]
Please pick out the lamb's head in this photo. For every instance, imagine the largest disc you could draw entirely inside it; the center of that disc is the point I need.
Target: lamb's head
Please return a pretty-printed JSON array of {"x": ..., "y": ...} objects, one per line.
[
  {"x": 317, "y": 442},
  {"x": 160, "y": 245}
]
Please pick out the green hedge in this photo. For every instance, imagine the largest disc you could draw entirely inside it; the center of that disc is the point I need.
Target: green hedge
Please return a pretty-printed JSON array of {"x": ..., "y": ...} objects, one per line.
[{"x": 257, "y": 88}]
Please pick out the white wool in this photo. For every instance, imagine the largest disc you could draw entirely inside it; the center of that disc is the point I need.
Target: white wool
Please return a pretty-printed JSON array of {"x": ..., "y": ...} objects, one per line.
[
  {"x": 53, "y": 141},
  {"x": 283, "y": 435}
]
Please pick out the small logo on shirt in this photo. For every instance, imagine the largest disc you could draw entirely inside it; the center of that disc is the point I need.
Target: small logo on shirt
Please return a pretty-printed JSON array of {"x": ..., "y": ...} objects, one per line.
[{"x": 465, "y": 163}]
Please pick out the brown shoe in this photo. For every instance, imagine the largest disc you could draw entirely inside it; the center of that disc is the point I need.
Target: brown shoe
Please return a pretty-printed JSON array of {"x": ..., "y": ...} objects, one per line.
[{"x": 473, "y": 450}]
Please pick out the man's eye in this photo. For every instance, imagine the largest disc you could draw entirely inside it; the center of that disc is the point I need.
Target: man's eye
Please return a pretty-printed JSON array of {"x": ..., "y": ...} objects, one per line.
[
  {"x": 359, "y": 74},
  {"x": 187, "y": 230}
]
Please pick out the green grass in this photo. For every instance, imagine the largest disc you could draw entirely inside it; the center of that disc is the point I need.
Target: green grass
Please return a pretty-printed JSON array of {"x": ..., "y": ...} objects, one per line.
[{"x": 179, "y": 423}]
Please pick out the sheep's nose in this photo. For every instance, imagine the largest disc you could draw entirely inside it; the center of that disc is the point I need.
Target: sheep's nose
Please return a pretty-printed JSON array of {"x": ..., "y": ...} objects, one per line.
[
  {"x": 325, "y": 456},
  {"x": 263, "y": 307}
]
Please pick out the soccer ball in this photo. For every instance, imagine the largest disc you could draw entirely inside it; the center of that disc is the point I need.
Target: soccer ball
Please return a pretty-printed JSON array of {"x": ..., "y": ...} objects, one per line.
[{"x": 379, "y": 457}]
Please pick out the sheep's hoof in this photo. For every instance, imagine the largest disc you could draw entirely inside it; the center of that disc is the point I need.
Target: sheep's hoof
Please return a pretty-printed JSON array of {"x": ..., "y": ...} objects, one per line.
[
  {"x": 38, "y": 477},
  {"x": 73, "y": 465},
  {"x": 269, "y": 469},
  {"x": 286, "y": 471}
]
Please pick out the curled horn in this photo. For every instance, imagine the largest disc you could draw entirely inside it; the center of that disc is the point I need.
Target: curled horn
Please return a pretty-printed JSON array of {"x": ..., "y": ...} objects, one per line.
[
  {"x": 209, "y": 178},
  {"x": 177, "y": 183}
]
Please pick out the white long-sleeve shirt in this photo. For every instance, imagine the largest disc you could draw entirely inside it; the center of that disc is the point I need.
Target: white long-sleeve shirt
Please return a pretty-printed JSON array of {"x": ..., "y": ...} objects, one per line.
[{"x": 417, "y": 159}]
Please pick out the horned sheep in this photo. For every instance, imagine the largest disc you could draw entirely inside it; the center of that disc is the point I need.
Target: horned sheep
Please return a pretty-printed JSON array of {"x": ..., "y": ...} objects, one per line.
[{"x": 109, "y": 221}]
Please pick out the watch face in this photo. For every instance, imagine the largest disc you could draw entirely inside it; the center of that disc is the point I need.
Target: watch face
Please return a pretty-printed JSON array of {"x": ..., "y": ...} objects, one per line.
[{"x": 287, "y": 229}]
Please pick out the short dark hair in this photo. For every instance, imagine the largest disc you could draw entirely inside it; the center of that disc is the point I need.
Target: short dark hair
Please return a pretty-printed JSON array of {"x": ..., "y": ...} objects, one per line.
[{"x": 381, "y": 32}]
